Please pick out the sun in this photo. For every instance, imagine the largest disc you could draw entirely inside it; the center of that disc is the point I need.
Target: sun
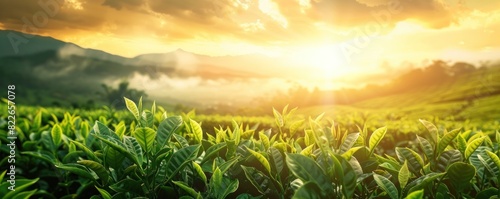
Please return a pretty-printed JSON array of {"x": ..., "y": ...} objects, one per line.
[{"x": 323, "y": 61}]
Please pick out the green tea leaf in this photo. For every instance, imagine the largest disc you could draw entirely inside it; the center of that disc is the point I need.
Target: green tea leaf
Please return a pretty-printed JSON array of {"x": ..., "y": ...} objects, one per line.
[
  {"x": 113, "y": 158},
  {"x": 37, "y": 121},
  {"x": 213, "y": 151},
  {"x": 200, "y": 172},
  {"x": 294, "y": 127},
  {"x": 76, "y": 169},
  {"x": 260, "y": 181},
  {"x": 349, "y": 141},
  {"x": 348, "y": 177},
  {"x": 145, "y": 137},
  {"x": 309, "y": 190},
  {"x": 460, "y": 175},
  {"x": 56, "y": 135},
  {"x": 97, "y": 168},
  {"x": 276, "y": 159},
  {"x": 24, "y": 194},
  {"x": 494, "y": 158},
  {"x": 166, "y": 128},
  {"x": 42, "y": 155},
  {"x": 416, "y": 195},
  {"x": 348, "y": 154},
  {"x": 102, "y": 130},
  {"x": 415, "y": 162},
  {"x": 196, "y": 130},
  {"x": 261, "y": 159},
  {"x": 87, "y": 151},
  {"x": 376, "y": 137},
  {"x": 489, "y": 165},
  {"x": 121, "y": 148},
  {"x": 128, "y": 185},
  {"x": 308, "y": 170},
  {"x": 264, "y": 139},
  {"x": 447, "y": 158},
  {"x": 147, "y": 119},
  {"x": 134, "y": 147},
  {"x": 433, "y": 131},
  {"x": 278, "y": 118},
  {"x": 104, "y": 193},
  {"x": 188, "y": 189},
  {"x": 179, "y": 160},
  {"x": 386, "y": 185},
  {"x": 422, "y": 182},
  {"x": 487, "y": 193},
  {"x": 426, "y": 147},
  {"x": 21, "y": 184},
  {"x": 446, "y": 140},
  {"x": 472, "y": 146},
  {"x": 404, "y": 174},
  {"x": 222, "y": 186},
  {"x": 132, "y": 108},
  {"x": 461, "y": 144}
]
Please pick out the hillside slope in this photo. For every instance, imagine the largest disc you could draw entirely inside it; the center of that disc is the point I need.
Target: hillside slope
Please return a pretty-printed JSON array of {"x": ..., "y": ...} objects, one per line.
[{"x": 474, "y": 95}]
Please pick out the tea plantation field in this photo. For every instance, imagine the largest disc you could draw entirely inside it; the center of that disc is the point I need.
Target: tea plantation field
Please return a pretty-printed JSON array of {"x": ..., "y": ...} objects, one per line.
[{"x": 145, "y": 152}]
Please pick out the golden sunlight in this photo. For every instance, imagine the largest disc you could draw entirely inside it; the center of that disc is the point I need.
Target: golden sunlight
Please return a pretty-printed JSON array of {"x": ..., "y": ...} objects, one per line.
[{"x": 323, "y": 61}]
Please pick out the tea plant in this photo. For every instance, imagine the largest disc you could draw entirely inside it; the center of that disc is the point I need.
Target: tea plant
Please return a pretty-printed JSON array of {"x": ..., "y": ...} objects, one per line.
[{"x": 145, "y": 153}]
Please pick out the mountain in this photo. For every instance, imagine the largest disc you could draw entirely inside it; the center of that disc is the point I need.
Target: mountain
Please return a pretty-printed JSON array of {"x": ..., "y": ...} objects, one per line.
[
  {"x": 51, "y": 71},
  {"x": 13, "y": 43}
]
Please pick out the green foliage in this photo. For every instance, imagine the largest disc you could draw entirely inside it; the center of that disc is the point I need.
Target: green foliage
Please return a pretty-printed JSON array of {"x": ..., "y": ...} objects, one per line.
[
  {"x": 460, "y": 175},
  {"x": 386, "y": 185},
  {"x": 147, "y": 153}
]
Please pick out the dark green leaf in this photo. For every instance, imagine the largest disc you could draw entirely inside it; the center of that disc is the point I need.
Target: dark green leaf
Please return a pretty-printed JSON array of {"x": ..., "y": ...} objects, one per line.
[
  {"x": 97, "y": 168},
  {"x": 309, "y": 190},
  {"x": 415, "y": 162},
  {"x": 166, "y": 128},
  {"x": 179, "y": 159},
  {"x": 260, "y": 181},
  {"x": 349, "y": 141},
  {"x": 447, "y": 158},
  {"x": 386, "y": 185},
  {"x": 460, "y": 175},
  {"x": 308, "y": 170}
]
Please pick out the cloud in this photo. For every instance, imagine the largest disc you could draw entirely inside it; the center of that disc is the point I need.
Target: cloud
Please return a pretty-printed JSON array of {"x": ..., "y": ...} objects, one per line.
[
  {"x": 253, "y": 26},
  {"x": 346, "y": 14},
  {"x": 271, "y": 9},
  {"x": 267, "y": 23},
  {"x": 197, "y": 10},
  {"x": 118, "y": 4}
]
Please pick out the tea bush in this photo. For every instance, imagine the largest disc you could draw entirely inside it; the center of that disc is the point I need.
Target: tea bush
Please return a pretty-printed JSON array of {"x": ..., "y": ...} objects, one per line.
[{"x": 147, "y": 153}]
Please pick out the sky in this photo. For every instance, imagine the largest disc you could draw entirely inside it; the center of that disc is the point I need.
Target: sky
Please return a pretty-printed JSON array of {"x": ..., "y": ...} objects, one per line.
[{"x": 342, "y": 35}]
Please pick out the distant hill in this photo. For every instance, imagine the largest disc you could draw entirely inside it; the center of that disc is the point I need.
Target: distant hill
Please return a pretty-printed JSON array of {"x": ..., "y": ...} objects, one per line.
[
  {"x": 51, "y": 71},
  {"x": 460, "y": 91},
  {"x": 35, "y": 44},
  {"x": 26, "y": 44}
]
